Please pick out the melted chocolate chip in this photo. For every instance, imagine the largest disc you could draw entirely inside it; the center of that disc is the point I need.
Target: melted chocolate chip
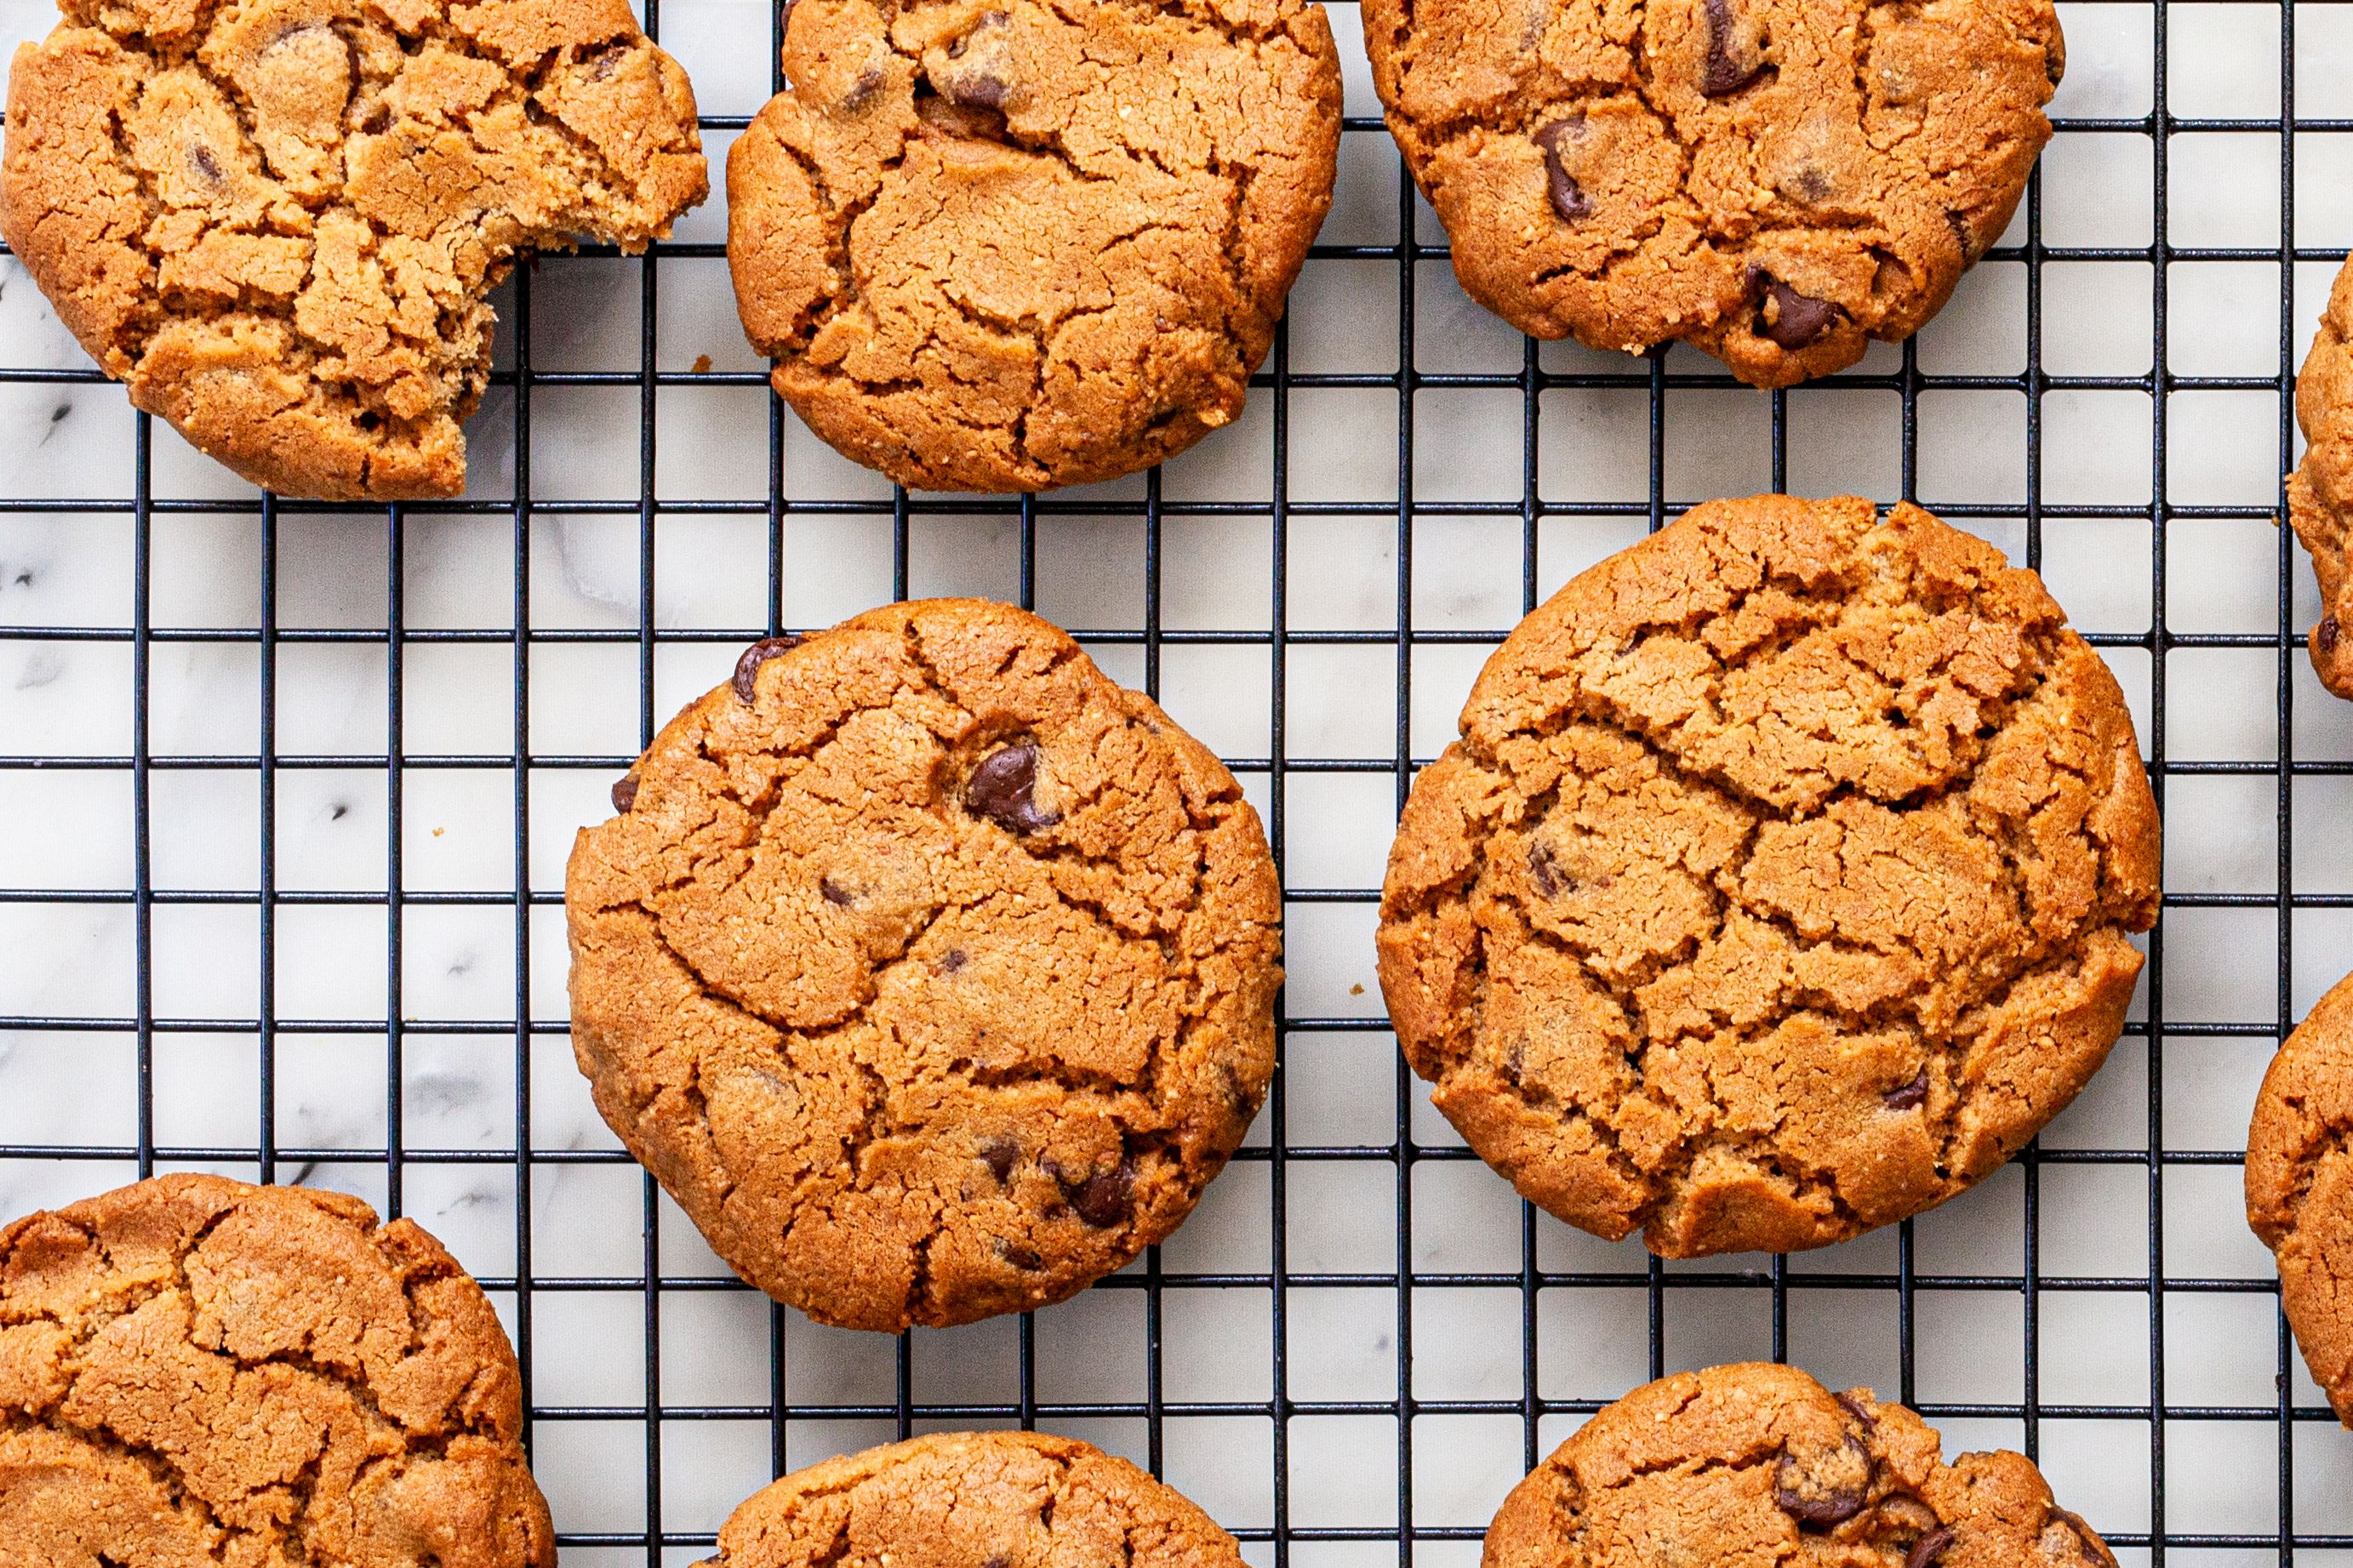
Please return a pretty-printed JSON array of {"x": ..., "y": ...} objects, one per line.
[
  {"x": 205, "y": 163},
  {"x": 1724, "y": 75},
  {"x": 1929, "y": 1547},
  {"x": 1795, "y": 319},
  {"x": 1544, "y": 871},
  {"x": 1568, "y": 197},
  {"x": 1104, "y": 1198},
  {"x": 1802, "y": 1492},
  {"x": 758, "y": 654},
  {"x": 1904, "y": 1095},
  {"x": 1856, "y": 1408},
  {"x": 835, "y": 893},
  {"x": 1002, "y": 790},
  {"x": 998, "y": 1155},
  {"x": 625, "y": 792},
  {"x": 2326, "y": 634}
]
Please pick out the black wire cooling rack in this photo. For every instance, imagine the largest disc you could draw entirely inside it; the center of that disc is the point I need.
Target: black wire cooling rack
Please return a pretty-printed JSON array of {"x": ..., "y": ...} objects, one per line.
[{"x": 2117, "y": 1448}]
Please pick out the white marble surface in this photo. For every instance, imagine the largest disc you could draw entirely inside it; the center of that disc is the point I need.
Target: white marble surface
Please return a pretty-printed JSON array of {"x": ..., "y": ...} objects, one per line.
[{"x": 457, "y": 831}]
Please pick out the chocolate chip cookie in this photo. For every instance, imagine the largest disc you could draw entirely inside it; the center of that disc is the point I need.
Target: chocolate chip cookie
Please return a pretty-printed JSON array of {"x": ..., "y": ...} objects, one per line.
[
  {"x": 2320, "y": 491},
  {"x": 276, "y": 221},
  {"x": 199, "y": 1371},
  {"x": 1005, "y": 245},
  {"x": 930, "y": 971},
  {"x": 1773, "y": 180},
  {"x": 973, "y": 1500},
  {"x": 1780, "y": 884},
  {"x": 1758, "y": 1463},
  {"x": 2300, "y": 1187}
]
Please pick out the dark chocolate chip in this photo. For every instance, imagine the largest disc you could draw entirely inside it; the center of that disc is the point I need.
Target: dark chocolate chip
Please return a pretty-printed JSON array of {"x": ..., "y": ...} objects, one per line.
[
  {"x": 1802, "y": 1493},
  {"x": 862, "y": 92},
  {"x": 2326, "y": 634},
  {"x": 758, "y": 654},
  {"x": 1904, "y": 1095},
  {"x": 1544, "y": 871},
  {"x": 785, "y": 17},
  {"x": 1019, "y": 1257},
  {"x": 2085, "y": 1535},
  {"x": 998, "y": 1155},
  {"x": 1002, "y": 790},
  {"x": 202, "y": 158},
  {"x": 605, "y": 63},
  {"x": 1812, "y": 185},
  {"x": 1724, "y": 75},
  {"x": 625, "y": 792},
  {"x": 1963, "y": 234},
  {"x": 1856, "y": 1408},
  {"x": 1104, "y": 1198},
  {"x": 1515, "y": 1060},
  {"x": 999, "y": 1561},
  {"x": 835, "y": 893},
  {"x": 953, "y": 961},
  {"x": 1929, "y": 1547},
  {"x": 1568, "y": 198},
  {"x": 1796, "y": 320},
  {"x": 978, "y": 89}
]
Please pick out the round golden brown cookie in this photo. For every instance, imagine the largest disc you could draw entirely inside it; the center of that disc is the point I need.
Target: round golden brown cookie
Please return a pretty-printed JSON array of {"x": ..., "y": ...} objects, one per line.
[
  {"x": 2320, "y": 491},
  {"x": 1773, "y": 180},
  {"x": 930, "y": 971},
  {"x": 973, "y": 1500},
  {"x": 1779, "y": 887},
  {"x": 1003, "y": 244},
  {"x": 2300, "y": 1187},
  {"x": 198, "y": 1372},
  {"x": 1758, "y": 1463},
  {"x": 276, "y": 220}
]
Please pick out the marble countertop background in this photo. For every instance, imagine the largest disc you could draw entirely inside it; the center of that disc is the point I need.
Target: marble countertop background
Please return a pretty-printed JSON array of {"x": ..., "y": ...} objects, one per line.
[{"x": 448, "y": 1087}]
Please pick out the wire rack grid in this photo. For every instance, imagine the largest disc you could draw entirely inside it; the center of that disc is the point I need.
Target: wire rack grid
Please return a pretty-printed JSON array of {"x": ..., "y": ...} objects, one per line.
[{"x": 250, "y": 724}]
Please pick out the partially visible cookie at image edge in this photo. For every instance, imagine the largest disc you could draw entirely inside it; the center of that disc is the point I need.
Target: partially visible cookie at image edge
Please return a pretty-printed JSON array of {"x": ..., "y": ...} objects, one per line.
[
  {"x": 929, "y": 970},
  {"x": 1757, "y": 1463},
  {"x": 1782, "y": 884},
  {"x": 973, "y": 1500},
  {"x": 1002, "y": 245},
  {"x": 2300, "y": 1187},
  {"x": 1777, "y": 182},
  {"x": 276, "y": 221},
  {"x": 197, "y": 1371},
  {"x": 2320, "y": 491}
]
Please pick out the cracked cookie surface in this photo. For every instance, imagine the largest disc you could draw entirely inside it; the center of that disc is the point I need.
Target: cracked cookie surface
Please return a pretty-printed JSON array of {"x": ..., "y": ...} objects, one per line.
[
  {"x": 199, "y": 1374},
  {"x": 2320, "y": 491},
  {"x": 1775, "y": 182},
  {"x": 1756, "y": 1464},
  {"x": 973, "y": 1500},
  {"x": 276, "y": 221},
  {"x": 930, "y": 971},
  {"x": 1779, "y": 887},
  {"x": 2300, "y": 1187},
  {"x": 1003, "y": 244}
]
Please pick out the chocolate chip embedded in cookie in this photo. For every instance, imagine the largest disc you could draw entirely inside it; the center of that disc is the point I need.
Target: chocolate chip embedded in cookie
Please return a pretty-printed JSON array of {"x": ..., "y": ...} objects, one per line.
[
  {"x": 197, "y": 1367},
  {"x": 2320, "y": 492},
  {"x": 2300, "y": 1187},
  {"x": 930, "y": 971},
  {"x": 975, "y": 1499},
  {"x": 1777, "y": 182},
  {"x": 1780, "y": 885},
  {"x": 1758, "y": 1463},
  {"x": 1003, "y": 244},
  {"x": 276, "y": 221}
]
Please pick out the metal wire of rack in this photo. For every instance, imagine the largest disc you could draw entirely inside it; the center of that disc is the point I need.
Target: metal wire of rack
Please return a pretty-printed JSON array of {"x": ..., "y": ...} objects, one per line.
[{"x": 1405, "y": 1421}]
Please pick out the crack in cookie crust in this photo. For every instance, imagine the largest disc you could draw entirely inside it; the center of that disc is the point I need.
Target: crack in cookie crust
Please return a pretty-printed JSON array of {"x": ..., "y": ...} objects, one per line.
[
  {"x": 906, "y": 1047},
  {"x": 1758, "y": 1463},
  {"x": 1780, "y": 885},
  {"x": 1003, "y": 244},
  {"x": 276, "y": 221},
  {"x": 1777, "y": 182},
  {"x": 195, "y": 1371}
]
